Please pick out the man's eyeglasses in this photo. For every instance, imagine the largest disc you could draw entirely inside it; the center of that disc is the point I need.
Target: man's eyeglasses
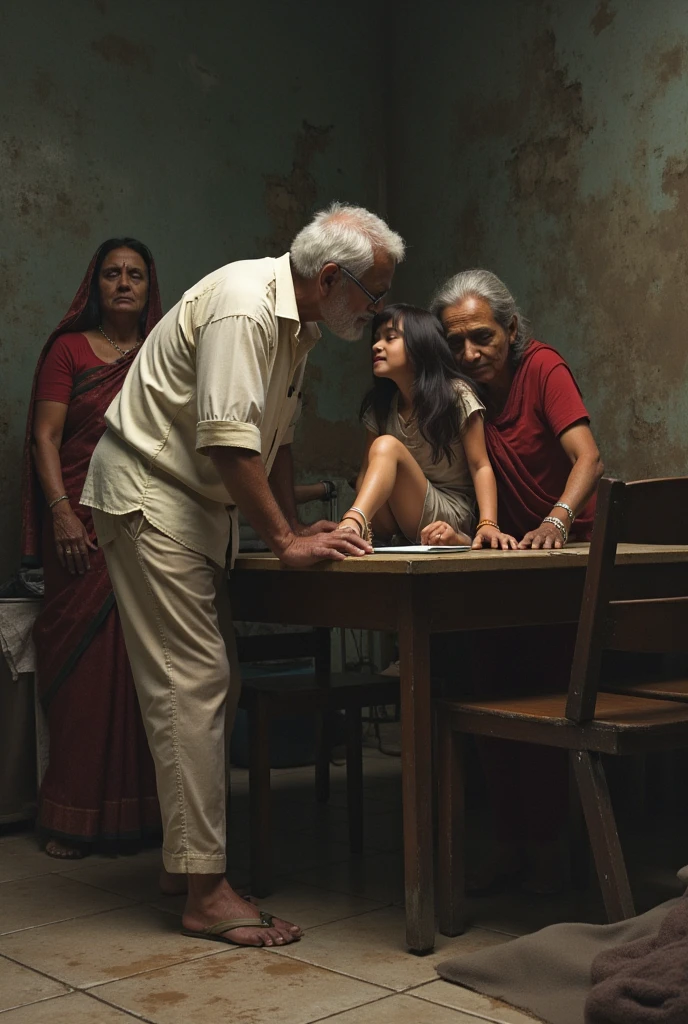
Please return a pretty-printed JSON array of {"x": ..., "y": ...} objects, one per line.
[{"x": 374, "y": 299}]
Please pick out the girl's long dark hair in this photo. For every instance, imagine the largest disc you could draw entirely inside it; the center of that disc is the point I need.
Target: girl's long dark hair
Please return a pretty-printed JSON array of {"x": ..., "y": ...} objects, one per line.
[
  {"x": 90, "y": 318},
  {"x": 434, "y": 391}
]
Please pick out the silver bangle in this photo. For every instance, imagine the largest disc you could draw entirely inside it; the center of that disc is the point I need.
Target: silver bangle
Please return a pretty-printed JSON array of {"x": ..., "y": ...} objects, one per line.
[
  {"x": 567, "y": 508},
  {"x": 63, "y": 497},
  {"x": 559, "y": 525}
]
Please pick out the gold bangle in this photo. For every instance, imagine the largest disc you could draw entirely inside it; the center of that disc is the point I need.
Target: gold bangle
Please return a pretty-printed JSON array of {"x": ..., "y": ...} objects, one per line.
[{"x": 487, "y": 522}]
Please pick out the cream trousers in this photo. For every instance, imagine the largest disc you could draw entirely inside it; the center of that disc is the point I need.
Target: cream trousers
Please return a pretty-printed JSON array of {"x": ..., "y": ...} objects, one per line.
[{"x": 177, "y": 625}]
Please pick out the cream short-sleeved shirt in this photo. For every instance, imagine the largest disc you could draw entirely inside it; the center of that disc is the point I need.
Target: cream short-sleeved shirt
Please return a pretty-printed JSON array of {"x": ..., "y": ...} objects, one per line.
[
  {"x": 450, "y": 494},
  {"x": 224, "y": 367}
]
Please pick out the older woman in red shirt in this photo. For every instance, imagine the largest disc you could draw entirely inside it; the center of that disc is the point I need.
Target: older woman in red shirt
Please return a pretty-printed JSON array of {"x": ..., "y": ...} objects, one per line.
[{"x": 547, "y": 466}]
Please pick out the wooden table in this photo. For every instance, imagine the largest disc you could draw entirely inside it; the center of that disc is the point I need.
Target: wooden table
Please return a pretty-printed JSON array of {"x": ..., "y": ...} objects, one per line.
[{"x": 416, "y": 595}]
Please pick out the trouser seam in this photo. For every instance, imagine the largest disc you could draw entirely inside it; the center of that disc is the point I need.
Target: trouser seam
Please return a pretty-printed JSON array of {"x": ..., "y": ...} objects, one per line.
[{"x": 179, "y": 784}]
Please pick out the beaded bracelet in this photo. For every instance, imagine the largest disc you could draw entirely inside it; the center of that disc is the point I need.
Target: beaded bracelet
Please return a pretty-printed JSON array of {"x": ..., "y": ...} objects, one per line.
[
  {"x": 559, "y": 525},
  {"x": 567, "y": 509},
  {"x": 487, "y": 522},
  {"x": 63, "y": 497}
]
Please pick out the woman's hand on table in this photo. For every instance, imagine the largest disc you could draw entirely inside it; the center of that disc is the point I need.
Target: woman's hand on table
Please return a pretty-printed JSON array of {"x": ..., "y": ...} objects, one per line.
[
  {"x": 547, "y": 536},
  {"x": 491, "y": 537},
  {"x": 71, "y": 540}
]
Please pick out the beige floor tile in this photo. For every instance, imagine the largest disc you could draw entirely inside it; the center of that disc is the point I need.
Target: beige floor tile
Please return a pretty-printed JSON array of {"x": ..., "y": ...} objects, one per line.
[
  {"x": 459, "y": 998},
  {"x": 18, "y": 985},
  {"x": 20, "y": 857},
  {"x": 36, "y": 901},
  {"x": 72, "y": 1009},
  {"x": 135, "y": 876},
  {"x": 92, "y": 950},
  {"x": 377, "y": 877},
  {"x": 401, "y": 1010},
  {"x": 247, "y": 986},
  {"x": 309, "y": 906},
  {"x": 372, "y": 947}
]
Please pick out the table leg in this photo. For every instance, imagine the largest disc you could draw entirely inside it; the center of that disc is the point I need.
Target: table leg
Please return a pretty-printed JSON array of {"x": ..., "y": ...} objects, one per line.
[{"x": 416, "y": 775}]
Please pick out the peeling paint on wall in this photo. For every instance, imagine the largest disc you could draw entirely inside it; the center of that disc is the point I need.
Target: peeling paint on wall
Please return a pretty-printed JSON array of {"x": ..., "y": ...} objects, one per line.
[
  {"x": 290, "y": 198},
  {"x": 569, "y": 178}
]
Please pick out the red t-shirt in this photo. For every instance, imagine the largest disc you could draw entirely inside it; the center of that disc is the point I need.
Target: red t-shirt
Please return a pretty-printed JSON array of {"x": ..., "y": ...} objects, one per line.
[
  {"x": 543, "y": 402},
  {"x": 69, "y": 355}
]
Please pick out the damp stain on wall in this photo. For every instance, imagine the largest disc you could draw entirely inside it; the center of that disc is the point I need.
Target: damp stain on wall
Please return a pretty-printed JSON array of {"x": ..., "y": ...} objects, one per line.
[
  {"x": 290, "y": 198},
  {"x": 566, "y": 172}
]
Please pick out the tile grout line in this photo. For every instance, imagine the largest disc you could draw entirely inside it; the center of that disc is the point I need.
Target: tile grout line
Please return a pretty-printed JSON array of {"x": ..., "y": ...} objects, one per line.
[
  {"x": 474, "y": 1013},
  {"x": 340, "y": 1013},
  {"x": 127, "y": 1013},
  {"x": 332, "y": 970}
]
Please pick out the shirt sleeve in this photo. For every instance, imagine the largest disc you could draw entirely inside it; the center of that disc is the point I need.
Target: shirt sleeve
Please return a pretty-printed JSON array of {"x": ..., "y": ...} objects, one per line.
[
  {"x": 56, "y": 379},
  {"x": 369, "y": 422},
  {"x": 467, "y": 403},
  {"x": 232, "y": 366},
  {"x": 562, "y": 403}
]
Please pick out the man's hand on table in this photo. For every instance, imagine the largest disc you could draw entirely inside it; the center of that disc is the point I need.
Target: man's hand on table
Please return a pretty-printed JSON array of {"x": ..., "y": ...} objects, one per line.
[
  {"x": 300, "y": 552},
  {"x": 322, "y": 526},
  {"x": 547, "y": 536}
]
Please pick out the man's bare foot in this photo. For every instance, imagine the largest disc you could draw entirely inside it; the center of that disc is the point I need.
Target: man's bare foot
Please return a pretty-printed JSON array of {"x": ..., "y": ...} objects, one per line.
[
  {"x": 173, "y": 883},
  {"x": 211, "y": 899},
  {"x": 54, "y": 848}
]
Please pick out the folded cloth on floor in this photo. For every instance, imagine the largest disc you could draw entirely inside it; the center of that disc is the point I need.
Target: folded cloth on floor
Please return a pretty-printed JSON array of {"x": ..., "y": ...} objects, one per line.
[
  {"x": 547, "y": 973},
  {"x": 646, "y": 981},
  {"x": 17, "y": 617}
]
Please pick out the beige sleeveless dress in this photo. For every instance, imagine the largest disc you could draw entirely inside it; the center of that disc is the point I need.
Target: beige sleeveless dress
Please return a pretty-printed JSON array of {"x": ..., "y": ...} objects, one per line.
[{"x": 450, "y": 494}]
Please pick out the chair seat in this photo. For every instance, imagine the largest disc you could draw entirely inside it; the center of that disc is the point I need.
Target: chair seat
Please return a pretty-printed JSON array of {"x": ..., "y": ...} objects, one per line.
[
  {"x": 299, "y": 692},
  {"x": 620, "y": 725},
  {"x": 664, "y": 689}
]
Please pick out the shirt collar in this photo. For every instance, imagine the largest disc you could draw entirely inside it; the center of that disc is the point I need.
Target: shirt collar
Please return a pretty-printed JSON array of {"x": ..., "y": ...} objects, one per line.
[{"x": 285, "y": 300}]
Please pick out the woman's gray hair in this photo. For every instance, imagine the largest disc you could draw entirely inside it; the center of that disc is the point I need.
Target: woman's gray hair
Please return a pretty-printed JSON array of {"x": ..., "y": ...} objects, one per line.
[
  {"x": 483, "y": 284},
  {"x": 348, "y": 235}
]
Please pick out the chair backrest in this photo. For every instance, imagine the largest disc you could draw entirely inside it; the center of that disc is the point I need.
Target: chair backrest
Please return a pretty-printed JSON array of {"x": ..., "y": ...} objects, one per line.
[
  {"x": 312, "y": 643},
  {"x": 649, "y": 512}
]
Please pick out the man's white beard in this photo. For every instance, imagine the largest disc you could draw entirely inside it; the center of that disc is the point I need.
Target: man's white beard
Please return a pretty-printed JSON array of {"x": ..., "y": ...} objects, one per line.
[{"x": 337, "y": 316}]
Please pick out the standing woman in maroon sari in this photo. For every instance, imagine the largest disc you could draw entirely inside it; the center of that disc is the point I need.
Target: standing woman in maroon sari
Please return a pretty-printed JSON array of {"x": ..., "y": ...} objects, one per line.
[
  {"x": 99, "y": 787},
  {"x": 547, "y": 466}
]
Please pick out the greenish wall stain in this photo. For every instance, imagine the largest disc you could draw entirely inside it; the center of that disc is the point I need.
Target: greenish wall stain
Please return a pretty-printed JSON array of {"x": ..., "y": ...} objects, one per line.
[
  {"x": 547, "y": 142},
  {"x": 211, "y": 131}
]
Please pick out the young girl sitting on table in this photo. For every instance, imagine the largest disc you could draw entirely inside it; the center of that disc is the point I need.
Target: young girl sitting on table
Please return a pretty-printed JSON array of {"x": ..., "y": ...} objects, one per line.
[{"x": 425, "y": 461}]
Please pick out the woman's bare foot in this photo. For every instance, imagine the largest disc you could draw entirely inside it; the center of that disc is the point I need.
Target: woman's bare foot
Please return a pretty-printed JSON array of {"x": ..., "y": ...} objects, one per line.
[
  {"x": 55, "y": 848},
  {"x": 211, "y": 899}
]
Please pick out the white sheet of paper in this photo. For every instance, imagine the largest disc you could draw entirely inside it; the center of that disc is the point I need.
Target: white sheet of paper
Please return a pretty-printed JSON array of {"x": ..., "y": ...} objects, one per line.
[{"x": 422, "y": 549}]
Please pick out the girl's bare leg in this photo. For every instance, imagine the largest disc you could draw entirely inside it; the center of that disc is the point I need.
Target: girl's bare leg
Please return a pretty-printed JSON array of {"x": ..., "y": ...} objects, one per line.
[{"x": 395, "y": 479}]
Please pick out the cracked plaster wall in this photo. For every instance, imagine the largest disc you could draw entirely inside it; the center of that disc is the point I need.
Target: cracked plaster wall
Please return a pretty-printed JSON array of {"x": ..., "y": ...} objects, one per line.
[
  {"x": 547, "y": 141},
  {"x": 211, "y": 131}
]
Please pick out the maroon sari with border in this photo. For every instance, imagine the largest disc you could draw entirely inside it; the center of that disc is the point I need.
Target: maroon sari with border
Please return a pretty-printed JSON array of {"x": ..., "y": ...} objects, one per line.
[{"x": 100, "y": 781}]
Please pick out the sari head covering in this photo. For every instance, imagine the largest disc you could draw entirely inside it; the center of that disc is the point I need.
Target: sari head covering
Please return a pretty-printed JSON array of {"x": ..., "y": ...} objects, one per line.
[{"x": 82, "y": 315}]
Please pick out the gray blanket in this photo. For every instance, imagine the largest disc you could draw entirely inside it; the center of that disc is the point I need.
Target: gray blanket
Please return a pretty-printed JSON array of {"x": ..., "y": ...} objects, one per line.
[{"x": 547, "y": 973}]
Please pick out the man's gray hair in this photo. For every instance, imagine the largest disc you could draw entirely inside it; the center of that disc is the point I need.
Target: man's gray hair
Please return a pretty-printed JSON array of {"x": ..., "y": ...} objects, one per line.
[
  {"x": 483, "y": 284},
  {"x": 348, "y": 235}
]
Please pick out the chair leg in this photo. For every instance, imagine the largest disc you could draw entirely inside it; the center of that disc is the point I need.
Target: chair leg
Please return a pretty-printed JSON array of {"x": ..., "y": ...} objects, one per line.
[
  {"x": 260, "y": 826},
  {"x": 579, "y": 845},
  {"x": 323, "y": 740},
  {"x": 354, "y": 779},
  {"x": 451, "y": 887},
  {"x": 604, "y": 838}
]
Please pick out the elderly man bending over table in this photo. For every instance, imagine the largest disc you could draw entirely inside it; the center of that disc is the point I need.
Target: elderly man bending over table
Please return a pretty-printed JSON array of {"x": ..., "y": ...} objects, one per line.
[{"x": 206, "y": 414}]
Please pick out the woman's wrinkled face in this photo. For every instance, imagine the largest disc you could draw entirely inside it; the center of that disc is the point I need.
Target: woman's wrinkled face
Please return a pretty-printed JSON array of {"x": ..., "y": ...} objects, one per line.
[
  {"x": 123, "y": 282},
  {"x": 478, "y": 343},
  {"x": 390, "y": 358}
]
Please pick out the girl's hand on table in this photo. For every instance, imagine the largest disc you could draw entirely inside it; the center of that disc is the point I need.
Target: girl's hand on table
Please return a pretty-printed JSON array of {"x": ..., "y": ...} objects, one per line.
[
  {"x": 546, "y": 536},
  {"x": 441, "y": 533},
  {"x": 491, "y": 537}
]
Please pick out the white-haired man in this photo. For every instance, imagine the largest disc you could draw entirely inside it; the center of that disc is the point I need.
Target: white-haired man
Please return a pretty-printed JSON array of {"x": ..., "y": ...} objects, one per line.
[{"x": 201, "y": 428}]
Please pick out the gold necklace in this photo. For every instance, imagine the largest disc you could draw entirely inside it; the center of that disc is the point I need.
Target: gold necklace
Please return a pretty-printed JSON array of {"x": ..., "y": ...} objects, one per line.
[{"x": 124, "y": 351}]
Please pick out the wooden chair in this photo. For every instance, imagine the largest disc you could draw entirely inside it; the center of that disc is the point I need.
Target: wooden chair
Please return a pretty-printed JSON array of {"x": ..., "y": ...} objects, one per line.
[
  {"x": 585, "y": 721},
  {"x": 321, "y": 694}
]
